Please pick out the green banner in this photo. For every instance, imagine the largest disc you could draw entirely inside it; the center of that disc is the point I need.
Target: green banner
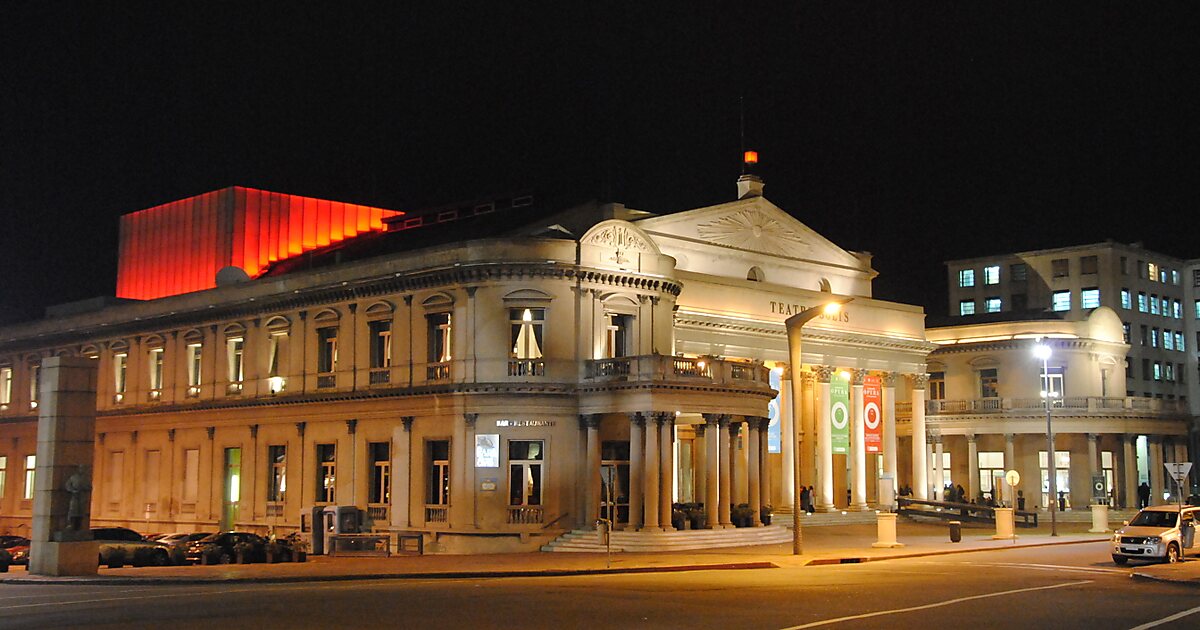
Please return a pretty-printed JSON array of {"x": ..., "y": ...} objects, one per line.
[{"x": 839, "y": 413}]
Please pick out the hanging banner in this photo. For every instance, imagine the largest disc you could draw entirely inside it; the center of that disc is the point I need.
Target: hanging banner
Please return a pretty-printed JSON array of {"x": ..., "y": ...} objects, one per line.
[
  {"x": 775, "y": 413},
  {"x": 872, "y": 414},
  {"x": 839, "y": 414}
]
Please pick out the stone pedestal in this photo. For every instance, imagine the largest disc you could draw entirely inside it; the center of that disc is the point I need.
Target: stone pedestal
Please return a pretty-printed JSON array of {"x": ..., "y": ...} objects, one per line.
[
  {"x": 1004, "y": 525},
  {"x": 1099, "y": 519},
  {"x": 886, "y": 525},
  {"x": 60, "y": 540}
]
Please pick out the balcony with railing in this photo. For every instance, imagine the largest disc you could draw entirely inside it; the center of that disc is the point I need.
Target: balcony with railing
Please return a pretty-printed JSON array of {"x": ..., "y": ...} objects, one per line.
[
  {"x": 1102, "y": 405},
  {"x": 437, "y": 514},
  {"x": 656, "y": 367},
  {"x": 526, "y": 367},
  {"x": 378, "y": 512},
  {"x": 526, "y": 514},
  {"x": 437, "y": 371},
  {"x": 326, "y": 381},
  {"x": 380, "y": 376}
]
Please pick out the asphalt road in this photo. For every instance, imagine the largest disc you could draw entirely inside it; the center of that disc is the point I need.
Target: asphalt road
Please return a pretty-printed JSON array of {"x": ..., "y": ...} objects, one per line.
[{"x": 1074, "y": 586}]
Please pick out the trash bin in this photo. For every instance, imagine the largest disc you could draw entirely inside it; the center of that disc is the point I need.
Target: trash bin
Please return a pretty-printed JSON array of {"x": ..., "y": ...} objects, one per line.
[{"x": 955, "y": 531}]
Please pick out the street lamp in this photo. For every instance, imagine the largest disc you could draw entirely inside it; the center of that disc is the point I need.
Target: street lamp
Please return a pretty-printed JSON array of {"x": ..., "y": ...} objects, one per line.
[
  {"x": 1042, "y": 351},
  {"x": 794, "y": 325}
]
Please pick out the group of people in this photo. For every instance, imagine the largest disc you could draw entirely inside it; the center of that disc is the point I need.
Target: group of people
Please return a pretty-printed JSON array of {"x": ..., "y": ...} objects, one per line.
[{"x": 806, "y": 499}]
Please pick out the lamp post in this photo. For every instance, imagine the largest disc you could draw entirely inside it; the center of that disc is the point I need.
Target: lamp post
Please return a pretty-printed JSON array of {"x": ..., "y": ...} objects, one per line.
[
  {"x": 794, "y": 325},
  {"x": 1042, "y": 351}
]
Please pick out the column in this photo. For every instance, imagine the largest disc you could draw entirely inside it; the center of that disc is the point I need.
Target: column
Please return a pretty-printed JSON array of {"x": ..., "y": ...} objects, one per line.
[
  {"x": 1129, "y": 472},
  {"x": 889, "y": 427},
  {"x": 401, "y": 473},
  {"x": 637, "y": 425},
  {"x": 1157, "y": 472},
  {"x": 726, "y": 486},
  {"x": 807, "y": 443},
  {"x": 858, "y": 452},
  {"x": 591, "y": 423},
  {"x": 1093, "y": 462},
  {"x": 754, "y": 469},
  {"x": 699, "y": 464},
  {"x": 650, "y": 514},
  {"x": 712, "y": 435},
  {"x": 939, "y": 478},
  {"x": 666, "y": 461},
  {"x": 787, "y": 437},
  {"x": 764, "y": 461},
  {"x": 736, "y": 481},
  {"x": 824, "y": 446},
  {"x": 920, "y": 485},
  {"x": 972, "y": 467}
]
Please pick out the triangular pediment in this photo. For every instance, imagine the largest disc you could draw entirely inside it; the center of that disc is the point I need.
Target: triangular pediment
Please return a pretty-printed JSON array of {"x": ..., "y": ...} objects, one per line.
[{"x": 752, "y": 225}]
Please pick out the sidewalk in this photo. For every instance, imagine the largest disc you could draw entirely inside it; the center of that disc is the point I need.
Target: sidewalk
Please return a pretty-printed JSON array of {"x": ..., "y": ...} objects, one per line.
[
  {"x": 822, "y": 545},
  {"x": 1186, "y": 572}
]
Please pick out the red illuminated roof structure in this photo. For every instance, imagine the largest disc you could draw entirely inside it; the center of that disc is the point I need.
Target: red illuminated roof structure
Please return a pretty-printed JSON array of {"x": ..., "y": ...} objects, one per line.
[{"x": 178, "y": 247}]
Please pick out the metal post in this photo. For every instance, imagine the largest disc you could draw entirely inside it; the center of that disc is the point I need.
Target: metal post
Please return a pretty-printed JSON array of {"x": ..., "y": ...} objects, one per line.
[{"x": 1050, "y": 445}]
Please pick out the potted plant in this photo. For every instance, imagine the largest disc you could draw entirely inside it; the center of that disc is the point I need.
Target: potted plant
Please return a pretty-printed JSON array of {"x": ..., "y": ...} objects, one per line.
[
  {"x": 766, "y": 513},
  {"x": 678, "y": 520},
  {"x": 212, "y": 554},
  {"x": 300, "y": 551},
  {"x": 741, "y": 515},
  {"x": 696, "y": 516},
  {"x": 276, "y": 552}
]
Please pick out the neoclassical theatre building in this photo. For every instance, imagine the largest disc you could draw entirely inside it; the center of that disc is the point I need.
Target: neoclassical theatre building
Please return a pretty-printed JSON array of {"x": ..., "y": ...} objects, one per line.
[{"x": 489, "y": 386}]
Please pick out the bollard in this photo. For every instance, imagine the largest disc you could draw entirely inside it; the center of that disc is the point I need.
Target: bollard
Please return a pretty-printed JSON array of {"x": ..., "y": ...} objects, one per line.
[
  {"x": 1099, "y": 519},
  {"x": 955, "y": 531},
  {"x": 886, "y": 524},
  {"x": 1004, "y": 525}
]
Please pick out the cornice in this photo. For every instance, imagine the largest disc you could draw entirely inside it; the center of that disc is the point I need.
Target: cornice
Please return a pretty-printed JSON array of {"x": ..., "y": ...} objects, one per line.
[{"x": 814, "y": 334}]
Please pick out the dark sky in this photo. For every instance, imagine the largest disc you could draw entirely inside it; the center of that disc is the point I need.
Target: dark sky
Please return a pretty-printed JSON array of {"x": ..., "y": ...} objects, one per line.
[{"x": 918, "y": 131}]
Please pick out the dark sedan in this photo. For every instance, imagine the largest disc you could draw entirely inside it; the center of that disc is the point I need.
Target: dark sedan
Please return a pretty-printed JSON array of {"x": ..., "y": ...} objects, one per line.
[{"x": 222, "y": 548}]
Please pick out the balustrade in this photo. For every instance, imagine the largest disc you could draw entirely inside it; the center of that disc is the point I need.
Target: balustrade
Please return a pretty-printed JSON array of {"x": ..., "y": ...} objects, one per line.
[
  {"x": 437, "y": 513},
  {"x": 525, "y": 514}
]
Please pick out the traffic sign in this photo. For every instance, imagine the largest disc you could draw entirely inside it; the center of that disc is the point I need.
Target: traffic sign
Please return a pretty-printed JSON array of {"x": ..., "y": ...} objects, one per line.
[{"x": 1178, "y": 471}]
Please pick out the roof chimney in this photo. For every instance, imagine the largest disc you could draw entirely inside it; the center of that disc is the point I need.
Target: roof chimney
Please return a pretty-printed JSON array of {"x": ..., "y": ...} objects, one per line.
[{"x": 749, "y": 184}]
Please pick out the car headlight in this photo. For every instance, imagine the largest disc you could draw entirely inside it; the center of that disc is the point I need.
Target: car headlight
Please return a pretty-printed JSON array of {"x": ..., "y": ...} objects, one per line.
[
  {"x": 1154, "y": 539},
  {"x": 1116, "y": 538}
]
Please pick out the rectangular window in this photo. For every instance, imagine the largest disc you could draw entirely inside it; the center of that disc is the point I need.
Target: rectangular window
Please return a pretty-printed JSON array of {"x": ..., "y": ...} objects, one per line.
[
  {"x": 1146, "y": 375},
  {"x": 191, "y": 476},
  {"x": 1168, "y": 371},
  {"x": 30, "y": 469},
  {"x": 991, "y": 305},
  {"x": 1166, "y": 307},
  {"x": 1162, "y": 275},
  {"x": 1179, "y": 342},
  {"x": 438, "y": 480},
  {"x": 1176, "y": 309},
  {"x": 1018, "y": 272},
  {"x": 1142, "y": 307},
  {"x": 937, "y": 386},
  {"x": 380, "y": 332},
  {"x": 1175, "y": 277},
  {"x": 277, "y": 473},
  {"x": 380, "y": 491},
  {"x": 618, "y": 339},
  {"x": 991, "y": 274},
  {"x": 1153, "y": 304},
  {"x": 1151, "y": 271},
  {"x": 1157, "y": 371},
  {"x": 989, "y": 381},
  {"x": 1126, "y": 299},
  {"x": 1128, "y": 369},
  {"x": 1089, "y": 298},
  {"x": 1089, "y": 264},
  {"x": 35, "y": 384},
  {"x": 276, "y": 357},
  {"x": 235, "y": 350},
  {"x": 1060, "y": 301},
  {"x": 1197, "y": 309},
  {"x": 525, "y": 332},
  {"x": 1052, "y": 382},
  {"x": 1196, "y": 277},
  {"x": 195, "y": 353},
  {"x": 991, "y": 466},
  {"x": 120, "y": 370},
  {"x": 1141, "y": 267},
  {"x": 6, "y": 379},
  {"x": 966, "y": 307},
  {"x": 525, "y": 463},
  {"x": 440, "y": 327},
  {"x": 1153, "y": 337},
  {"x": 1168, "y": 340},
  {"x": 966, "y": 277},
  {"x": 1060, "y": 268},
  {"x": 1125, "y": 327},
  {"x": 155, "y": 365},
  {"x": 327, "y": 347},
  {"x": 3, "y": 474},
  {"x": 326, "y": 473}
]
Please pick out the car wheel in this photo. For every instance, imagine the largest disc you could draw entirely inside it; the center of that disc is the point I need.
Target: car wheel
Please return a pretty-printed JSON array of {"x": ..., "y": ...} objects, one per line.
[
  {"x": 1120, "y": 560},
  {"x": 161, "y": 559},
  {"x": 1172, "y": 553},
  {"x": 224, "y": 558}
]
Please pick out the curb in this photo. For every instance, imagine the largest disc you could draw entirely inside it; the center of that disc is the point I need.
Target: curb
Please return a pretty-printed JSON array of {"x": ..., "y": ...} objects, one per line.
[
  {"x": 946, "y": 552},
  {"x": 446, "y": 575}
]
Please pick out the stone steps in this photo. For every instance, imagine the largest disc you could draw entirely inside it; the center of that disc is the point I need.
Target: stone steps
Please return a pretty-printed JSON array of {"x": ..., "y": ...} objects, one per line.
[{"x": 589, "y": 541}]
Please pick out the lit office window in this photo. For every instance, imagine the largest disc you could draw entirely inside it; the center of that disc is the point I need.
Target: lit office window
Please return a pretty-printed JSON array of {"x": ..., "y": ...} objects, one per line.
[
  {"x": 1089, "y": 298},
  {"x": 991, "y": 275},
  {"x": 991, "y": 305},
  {"x": 30, "y": 468},
  {"x": 1175, "y": 276},
  {"x": 1157, "y": 371},
  {"x": 1125, "y": 327},
  {"x": 327, "y": 349},
  {"x": 966, "y": 307},
  {"x": 1061, "y": 301},
  {"x": 1142, "y": 308},
  {"x": 234, "y": 352},
  {"x": 966, "y": 277},
  {"x": 1176, "y": 309},
  {"x": 380, "y": 338},
  {"x": 1166, "y": 306},
  {"x": 1154, "y": 305},
  {"x": 1197, "y": 309},
  {"x": 1179, "y": 342},
  {"x": 1126, "y": 299},
  {"x": 6, "y": 378},
  {"x": 1153, "y": 337},
  {"x": 3, "y": 474},
  {"x": 1168, "y": 340},
  {"x": 1168, "y": 371},
  {"x": 1152, "y": 271}
]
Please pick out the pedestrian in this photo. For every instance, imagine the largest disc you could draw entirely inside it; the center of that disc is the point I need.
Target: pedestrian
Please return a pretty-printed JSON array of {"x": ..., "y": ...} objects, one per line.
[
  {"x": 811, "y": 498},
  {"x": 1143, "y": 495},
  {"x": 804, "y": 499},
  {"x": 1021, "y": 500},
  {"x": 962, "y": 494}
]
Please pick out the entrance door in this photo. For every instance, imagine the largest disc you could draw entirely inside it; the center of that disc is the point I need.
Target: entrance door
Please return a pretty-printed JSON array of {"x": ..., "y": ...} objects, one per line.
[
  {"x": 1062, "y": 478},
  {"x": 615, "y": 465},
  {"x": 231, "y": 494}
]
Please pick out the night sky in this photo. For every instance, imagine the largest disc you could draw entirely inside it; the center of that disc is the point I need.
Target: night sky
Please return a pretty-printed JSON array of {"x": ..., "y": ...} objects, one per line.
[{"x": 918, "y": 131}]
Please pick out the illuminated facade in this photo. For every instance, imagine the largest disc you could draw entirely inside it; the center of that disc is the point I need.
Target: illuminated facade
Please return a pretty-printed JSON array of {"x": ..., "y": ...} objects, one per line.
[{"x": 489, "y": 393}]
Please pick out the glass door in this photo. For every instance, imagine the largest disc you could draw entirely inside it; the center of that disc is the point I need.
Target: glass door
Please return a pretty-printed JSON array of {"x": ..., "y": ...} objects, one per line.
[{"x": 231, "y": 494}]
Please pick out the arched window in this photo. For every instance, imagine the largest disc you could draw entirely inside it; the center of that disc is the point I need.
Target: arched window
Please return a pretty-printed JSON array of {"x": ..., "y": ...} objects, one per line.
[
  {"x": 825, "y": 286},
  {"x": 755, "y": 274}
]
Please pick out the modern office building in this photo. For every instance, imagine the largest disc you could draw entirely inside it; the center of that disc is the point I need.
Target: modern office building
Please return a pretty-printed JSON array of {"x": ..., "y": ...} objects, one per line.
[
  {"x": 488, "y": 375},
  {"x": 1154, "y": 296}
]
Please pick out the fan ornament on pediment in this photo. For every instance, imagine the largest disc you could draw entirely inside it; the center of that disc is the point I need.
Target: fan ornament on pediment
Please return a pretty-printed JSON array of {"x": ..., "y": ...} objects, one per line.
[{"x": 751, "y": 229}]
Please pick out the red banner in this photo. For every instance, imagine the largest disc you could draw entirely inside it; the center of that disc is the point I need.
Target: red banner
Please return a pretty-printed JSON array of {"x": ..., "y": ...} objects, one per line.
[{"x": 873, "y": 414}]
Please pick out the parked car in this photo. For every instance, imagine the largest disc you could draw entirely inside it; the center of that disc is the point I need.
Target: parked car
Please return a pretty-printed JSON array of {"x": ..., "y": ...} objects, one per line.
[
  {"x": 1156, "y": 533},
  {"x": 222, "y": 547},
  {"x": 125, "y": 546},
  {"x": 7, "y": 541},
  {"x": 19, "y": 551},
  {"x": 182, "y": 540}
]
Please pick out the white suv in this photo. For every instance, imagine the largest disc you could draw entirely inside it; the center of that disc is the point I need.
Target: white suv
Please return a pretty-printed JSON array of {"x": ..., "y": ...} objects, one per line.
[{"x": 1156, "y": 533}]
